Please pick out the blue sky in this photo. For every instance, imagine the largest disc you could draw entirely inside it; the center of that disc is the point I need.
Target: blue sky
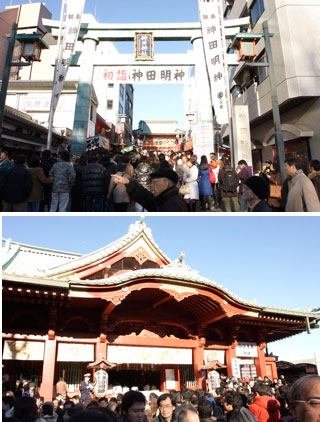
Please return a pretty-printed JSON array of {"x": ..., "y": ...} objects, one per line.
[
  {"x": 274, "y": 260},
  {"x": 151, "y": 102}
]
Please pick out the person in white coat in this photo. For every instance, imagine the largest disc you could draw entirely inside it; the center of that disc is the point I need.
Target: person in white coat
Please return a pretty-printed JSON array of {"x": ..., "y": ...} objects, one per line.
[{"x": 191, "y": 179}]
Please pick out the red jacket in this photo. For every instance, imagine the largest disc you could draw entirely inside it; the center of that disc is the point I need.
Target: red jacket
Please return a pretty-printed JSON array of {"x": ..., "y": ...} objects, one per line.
[{"x": 265, "y": 409}]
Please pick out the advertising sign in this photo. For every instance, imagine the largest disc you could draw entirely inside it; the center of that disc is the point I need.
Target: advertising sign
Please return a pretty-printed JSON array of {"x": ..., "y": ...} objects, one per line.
[
  {"x": 212, "y": 31},
  {"x": 210, "y": 355}
]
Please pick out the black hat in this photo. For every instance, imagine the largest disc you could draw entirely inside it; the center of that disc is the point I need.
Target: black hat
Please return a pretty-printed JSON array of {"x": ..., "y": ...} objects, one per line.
[
  {"x": 258, "y": 186},
  {"x": 167, "y": 173},
  {"x": 268, "y": 162}
]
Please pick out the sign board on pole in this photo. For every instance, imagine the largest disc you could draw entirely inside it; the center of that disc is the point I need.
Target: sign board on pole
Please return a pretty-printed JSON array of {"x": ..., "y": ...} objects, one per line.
[
  {"x": 203, "y": 139},
  {"x": 241, "y": 131},
  {"x": 69, "y": 38},
  {"x": 212, "y": 29}
]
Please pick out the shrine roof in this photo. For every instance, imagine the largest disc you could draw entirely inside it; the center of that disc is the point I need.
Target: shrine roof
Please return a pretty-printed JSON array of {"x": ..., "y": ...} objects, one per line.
[
  {"x": 34, "y": 261},
  {"x": 21, "y": 259},
  {"x": 177, "y": 270}
]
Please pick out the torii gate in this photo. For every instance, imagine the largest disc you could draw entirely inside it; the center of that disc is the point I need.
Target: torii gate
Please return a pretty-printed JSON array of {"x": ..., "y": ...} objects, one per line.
[{"x": 92, "y": 33}]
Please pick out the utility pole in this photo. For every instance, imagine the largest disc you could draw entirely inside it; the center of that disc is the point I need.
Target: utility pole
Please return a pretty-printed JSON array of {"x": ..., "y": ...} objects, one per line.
[{"x": 275, "y": 103}]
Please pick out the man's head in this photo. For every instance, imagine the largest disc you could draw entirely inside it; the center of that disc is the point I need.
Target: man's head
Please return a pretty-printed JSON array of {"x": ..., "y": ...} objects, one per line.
[
  {"x": 133, "y": 406},
  {"x": 242, "y": 163},
  {"x": 103, "y": 402},
  {"x": 205, "y": 409},
  {"x": 291, "y": 165},
  {"x": 254, "y": 188},
  {"x": 188, "y": 414},
  {"x": 305, "y": 399},
  {"x": 314, "y": 165},
  {"x": 268, "y": 163},
  {"x": 163, "y": 180},
  {"x": 65, "y": 156},
  {"x": 76, "y": 399},
  {"x": 166, "y": 406},
  {"x": 4, "y": 155},
  {"x": 87, "y": 377},
  {"x": 261, "y": 389},
  {"x": 7, "y": 403},
  {"x": 21, "y": 160}
]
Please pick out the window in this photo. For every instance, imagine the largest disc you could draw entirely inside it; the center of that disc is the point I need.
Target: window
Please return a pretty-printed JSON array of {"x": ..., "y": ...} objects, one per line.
[
  {"x": 121, "y": 91},
  {"x": 256, "y": 11},
  {"x": 110, "y": 85},
  {"x": 120, "y": 109},
  {"x": 262, "y": 71},
  {"x": 109, "y": 104}
]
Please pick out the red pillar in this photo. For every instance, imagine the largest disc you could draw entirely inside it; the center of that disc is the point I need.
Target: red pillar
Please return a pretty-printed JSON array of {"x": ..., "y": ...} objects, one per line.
[
  {"x": 46, "y": 389},
  {"x": 198, "y": 362},
  {"x": 260, "y": 361},
  {"x": 230, "y": 354}
]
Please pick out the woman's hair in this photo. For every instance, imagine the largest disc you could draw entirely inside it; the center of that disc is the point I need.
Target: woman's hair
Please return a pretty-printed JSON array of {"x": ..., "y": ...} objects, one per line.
[
  {"x": 204, "y": 163},
  {"x": 129, "y": 170},
  {"x": 34, "y": 161}
]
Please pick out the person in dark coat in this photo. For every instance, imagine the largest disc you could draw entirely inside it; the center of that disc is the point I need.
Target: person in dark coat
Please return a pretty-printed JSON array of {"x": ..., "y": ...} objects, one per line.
[
  {"x": 85, "y": 389},
  {"x": 274, "y": 177},
  {"x": 229, "y": 194},
  {"x": 314, "y": 176},
  {"x": 236, "y": 412},
  {"x": 243, "y": 176},
  {"x": 78, "y": 198},
  {"x": 46, "y": 163},
  {"x": 94, "y": 182},
  {"x": 164, "y": 195},
  {"x": 17, "y": 186},
  {"x": 255, "y": 191}
]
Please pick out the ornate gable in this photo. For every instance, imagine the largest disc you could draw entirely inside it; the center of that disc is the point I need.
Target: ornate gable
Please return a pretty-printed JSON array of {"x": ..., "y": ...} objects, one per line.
[{"x": 135, "y": 251}]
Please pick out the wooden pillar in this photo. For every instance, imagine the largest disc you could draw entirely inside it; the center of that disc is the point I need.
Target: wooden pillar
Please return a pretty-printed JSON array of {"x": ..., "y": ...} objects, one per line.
[
  {"x": 260, "y": 361},
  {"x": 230, "y": 354},
  {"x": 198, "y": 362},
  {"x": 162, "y": 378},
  {"x": 178, "y": 379},
  {"x": 101, "y": 347},
  {"x": 46, "y": 389}
]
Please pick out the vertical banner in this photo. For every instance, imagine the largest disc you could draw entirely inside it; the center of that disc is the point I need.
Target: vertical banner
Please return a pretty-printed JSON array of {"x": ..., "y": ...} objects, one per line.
[
  {"x": 69, "y": 36},
  {"x": 203, "y": 140},
  {"x": 212, "y": 30}
]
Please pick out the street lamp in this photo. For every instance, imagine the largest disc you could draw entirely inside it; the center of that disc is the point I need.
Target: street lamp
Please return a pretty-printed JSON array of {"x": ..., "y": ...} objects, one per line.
[
  {"x": 244, "y": 54},
  {"x": 32, "y": 46}
]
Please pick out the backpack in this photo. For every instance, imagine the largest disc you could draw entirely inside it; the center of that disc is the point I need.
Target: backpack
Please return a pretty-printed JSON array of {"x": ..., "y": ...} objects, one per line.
[{"x": 230, "y": 182}]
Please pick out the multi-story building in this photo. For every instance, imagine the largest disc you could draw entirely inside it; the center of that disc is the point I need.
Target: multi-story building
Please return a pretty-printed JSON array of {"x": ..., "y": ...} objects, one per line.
[
  {"x": 296, "y": 71},
  {"x": 30, "y": 88}
]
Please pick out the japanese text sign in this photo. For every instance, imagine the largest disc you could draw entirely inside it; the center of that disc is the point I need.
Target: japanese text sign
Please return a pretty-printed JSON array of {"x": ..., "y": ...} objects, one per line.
[
  {"x": 212, "y": 25},
  {"x": 145, "y": 74}
]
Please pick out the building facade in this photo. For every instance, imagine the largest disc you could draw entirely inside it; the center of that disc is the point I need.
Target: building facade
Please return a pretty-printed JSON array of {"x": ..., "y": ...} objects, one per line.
[
  {"x": 158, "y": 135},
  {"x": 296, "y": 71},
  {"x": 30, "y": 88},
  {"x": 158, "y": 320}
]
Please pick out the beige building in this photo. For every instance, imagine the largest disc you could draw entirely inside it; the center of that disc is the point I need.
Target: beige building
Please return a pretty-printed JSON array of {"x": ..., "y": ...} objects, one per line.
[
  {"x": 296, "y": 34},
  {"x": 30, "y": 87}
]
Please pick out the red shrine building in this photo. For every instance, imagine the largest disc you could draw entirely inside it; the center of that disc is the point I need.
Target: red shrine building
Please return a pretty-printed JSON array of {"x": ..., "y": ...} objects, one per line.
[{"x": 158, "y": 320}]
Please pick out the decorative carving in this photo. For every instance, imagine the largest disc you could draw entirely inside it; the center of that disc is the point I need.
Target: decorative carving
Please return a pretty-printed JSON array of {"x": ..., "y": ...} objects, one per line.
[
  {"x": 262, "y": 345},
  {"x": 51, "y": 334},
  {"x": 234, "y": 344}
]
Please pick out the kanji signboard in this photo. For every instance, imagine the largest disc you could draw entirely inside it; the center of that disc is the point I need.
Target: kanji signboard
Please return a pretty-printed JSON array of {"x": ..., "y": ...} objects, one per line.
[
  {"x": 145, "y": 74},
  {"x": 212, "y": 29}
]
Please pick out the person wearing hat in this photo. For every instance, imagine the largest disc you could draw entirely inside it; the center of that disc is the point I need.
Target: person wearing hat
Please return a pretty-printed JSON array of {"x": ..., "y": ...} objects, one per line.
[
  {"x": 85, "y": 389},
  {"x": 255, "y": 191},
  {"x": 164, "y": 195}
]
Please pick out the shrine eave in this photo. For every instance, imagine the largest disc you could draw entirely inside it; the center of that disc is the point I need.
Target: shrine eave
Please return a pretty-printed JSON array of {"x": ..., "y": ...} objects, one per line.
[{"x": 40, "y": 282}]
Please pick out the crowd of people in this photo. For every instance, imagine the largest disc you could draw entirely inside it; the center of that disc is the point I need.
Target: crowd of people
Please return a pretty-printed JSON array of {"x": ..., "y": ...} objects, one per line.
[
  {"x": 235, "y": 400},
  {"x": 154, "y": 182}
]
